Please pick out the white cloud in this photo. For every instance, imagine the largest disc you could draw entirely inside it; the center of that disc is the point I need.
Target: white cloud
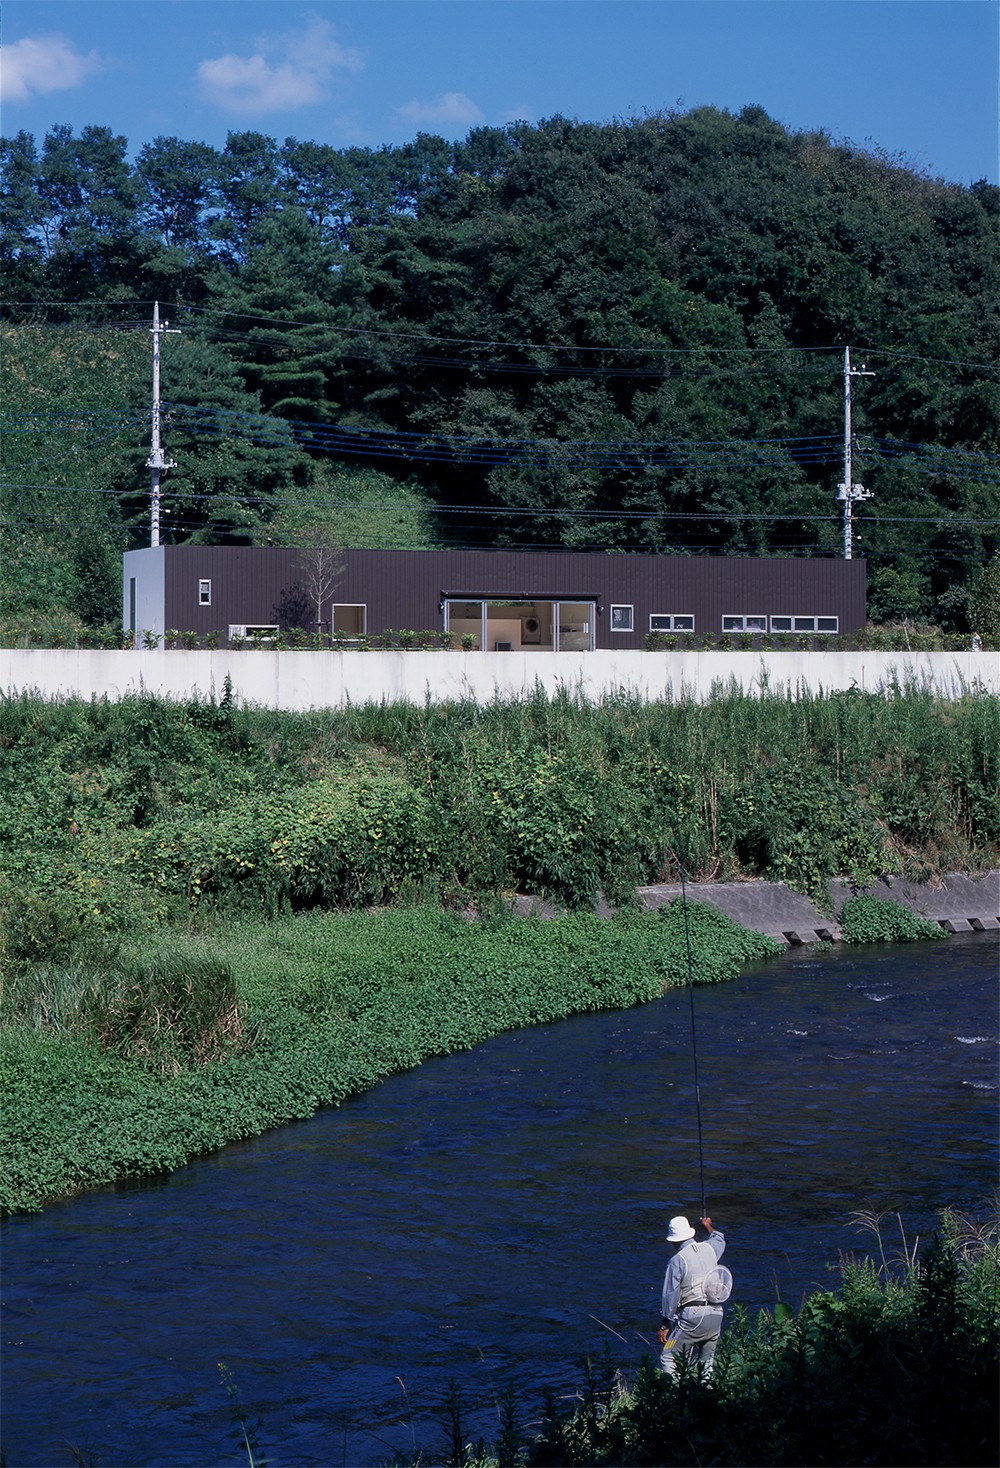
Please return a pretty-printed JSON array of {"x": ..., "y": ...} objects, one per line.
[
  {"x": 285, "y": 72},
  {"x": 41, "y": 64},
  {"x": 450, "y": 108}
]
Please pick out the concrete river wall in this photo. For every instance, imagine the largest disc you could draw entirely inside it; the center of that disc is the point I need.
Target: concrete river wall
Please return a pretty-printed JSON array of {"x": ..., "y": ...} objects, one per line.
[{"x": 299, "y": 681}]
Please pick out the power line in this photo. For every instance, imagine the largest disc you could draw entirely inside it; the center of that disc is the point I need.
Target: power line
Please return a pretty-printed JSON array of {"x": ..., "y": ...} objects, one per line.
[
  {"x": 339, "y": 440},
  {"x": 493, "y": 343},
  {"x": 532, "y": 511}
]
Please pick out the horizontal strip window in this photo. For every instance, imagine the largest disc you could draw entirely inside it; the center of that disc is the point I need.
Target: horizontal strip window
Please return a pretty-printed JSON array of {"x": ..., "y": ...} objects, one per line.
[
  {"x": 518, "y": 598},
  {"x": 744, "y": 622},
  {"x": 828, "y": 626},
  {"x": 671, "y": 622}
]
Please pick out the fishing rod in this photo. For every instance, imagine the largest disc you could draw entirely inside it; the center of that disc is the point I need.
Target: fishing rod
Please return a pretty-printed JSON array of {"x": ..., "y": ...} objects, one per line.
[{"x": 694, "y": 1036}]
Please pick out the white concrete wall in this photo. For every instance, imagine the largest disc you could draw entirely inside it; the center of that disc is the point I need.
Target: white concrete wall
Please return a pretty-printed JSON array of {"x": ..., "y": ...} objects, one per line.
[{"x": 304, "y": 680}]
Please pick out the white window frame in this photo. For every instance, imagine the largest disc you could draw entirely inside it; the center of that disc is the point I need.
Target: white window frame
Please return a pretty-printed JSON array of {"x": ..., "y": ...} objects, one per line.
[
  {"x": 669, "y": 621},
  {"x": 204, "y": 591},
  {"x": 622, "y": 607},
  {"x": 265, "y": 631},
  {"x": 814, "y": 627},
  {"x": 737, "y": 622},
  {"x": 364, "y": 616},
  {"x": 588, "y": 626}
]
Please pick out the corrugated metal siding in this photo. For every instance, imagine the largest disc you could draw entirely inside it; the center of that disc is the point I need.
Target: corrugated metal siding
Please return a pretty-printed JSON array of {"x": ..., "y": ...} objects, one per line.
[{"x": 404, "y": 588}]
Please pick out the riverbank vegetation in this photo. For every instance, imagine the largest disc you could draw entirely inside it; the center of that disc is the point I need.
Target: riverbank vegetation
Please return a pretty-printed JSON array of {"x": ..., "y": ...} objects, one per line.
[
  {"x": 132, "y": 816},
  {"x": 121, "y": 1066},
  {"x": 854, "y": 1377},
  {"x": 213, "y": 919}
]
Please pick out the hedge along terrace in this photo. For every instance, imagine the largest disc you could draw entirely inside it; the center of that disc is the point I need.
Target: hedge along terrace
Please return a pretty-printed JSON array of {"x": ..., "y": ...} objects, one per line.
[{"x": 130, "y": 1065}]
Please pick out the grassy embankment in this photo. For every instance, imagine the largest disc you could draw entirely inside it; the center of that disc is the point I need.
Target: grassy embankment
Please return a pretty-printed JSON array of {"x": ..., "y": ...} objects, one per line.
[{"x": 184, "y": 958}]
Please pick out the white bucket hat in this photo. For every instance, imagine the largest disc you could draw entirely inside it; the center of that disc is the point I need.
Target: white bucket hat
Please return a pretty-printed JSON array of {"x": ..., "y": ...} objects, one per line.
[{"x": 680, "y": 1230}]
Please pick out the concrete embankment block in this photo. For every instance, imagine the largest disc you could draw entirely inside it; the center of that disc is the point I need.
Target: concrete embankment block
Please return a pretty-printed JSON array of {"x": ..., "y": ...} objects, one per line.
[{"x": 957, "y": 902}]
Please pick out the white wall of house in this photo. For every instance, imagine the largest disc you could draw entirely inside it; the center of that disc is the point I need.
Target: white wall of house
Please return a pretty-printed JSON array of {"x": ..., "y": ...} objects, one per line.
[
  {"x": 147, "y": 567},
  {"x": 305, "y": 680}
]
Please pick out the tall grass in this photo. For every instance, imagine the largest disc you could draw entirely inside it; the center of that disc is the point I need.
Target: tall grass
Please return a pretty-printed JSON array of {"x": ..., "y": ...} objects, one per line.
[{"x": 144, "y": 812}]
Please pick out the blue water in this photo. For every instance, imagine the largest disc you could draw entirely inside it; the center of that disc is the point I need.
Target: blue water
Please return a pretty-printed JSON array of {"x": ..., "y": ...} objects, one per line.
[{"x": 495, "y": 1217}]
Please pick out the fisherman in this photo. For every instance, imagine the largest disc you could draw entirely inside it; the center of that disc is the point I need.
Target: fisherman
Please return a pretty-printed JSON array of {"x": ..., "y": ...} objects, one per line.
[{"x": 691, "y": 1324}]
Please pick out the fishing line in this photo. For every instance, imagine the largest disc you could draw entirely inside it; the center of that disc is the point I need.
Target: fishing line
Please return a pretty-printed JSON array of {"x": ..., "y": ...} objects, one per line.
[{"x": 694, "y": 1039}]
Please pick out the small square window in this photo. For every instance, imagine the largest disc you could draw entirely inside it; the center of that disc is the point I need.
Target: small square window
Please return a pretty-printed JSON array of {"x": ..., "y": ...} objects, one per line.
[
  {"x": 755, "y": 624},
  {"x": 621, "y": 619},
  {"x": 827, "y": 624},
  {"x": 804, "y": 624},
  {"x": 732, "y": 624},
  {"x": 684, "y": 624},
  {"x": 204, "y": 593},
  {"x": 781, "y": 624}
]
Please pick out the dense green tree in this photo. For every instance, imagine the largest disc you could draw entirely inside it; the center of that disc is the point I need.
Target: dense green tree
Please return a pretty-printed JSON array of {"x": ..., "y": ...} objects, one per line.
[
  {"x": 93, "y": 244},
  {"x": 177, "y": 181},
  {"x": 21, "y": 216},
  {"x": 233, "y": 466},
  {"x": 283, "y": 313},
  {"x": 97, "y": 564},
  {"x": 986, "y": 600},
  {"x": 248, "y": 190},
  {"x": 627, "y": 335}
]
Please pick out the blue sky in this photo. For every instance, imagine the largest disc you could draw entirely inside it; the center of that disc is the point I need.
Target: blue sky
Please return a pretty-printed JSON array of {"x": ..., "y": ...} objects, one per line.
[{"x": 917, "y": 78}]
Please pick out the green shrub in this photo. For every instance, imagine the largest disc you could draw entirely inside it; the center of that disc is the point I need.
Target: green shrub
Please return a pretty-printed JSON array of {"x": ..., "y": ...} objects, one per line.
[
  {"x": 48, "y": 927},
  {"x": 873, "y": 920}
]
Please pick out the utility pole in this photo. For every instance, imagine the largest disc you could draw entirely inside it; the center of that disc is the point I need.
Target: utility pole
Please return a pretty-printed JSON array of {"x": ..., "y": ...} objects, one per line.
[
  {"x": 849, "y": 491},
  {"x": 156, "y": 463}
]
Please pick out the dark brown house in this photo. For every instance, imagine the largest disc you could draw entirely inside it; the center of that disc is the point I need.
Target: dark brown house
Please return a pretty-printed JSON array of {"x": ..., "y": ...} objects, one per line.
[{"x": 508, "y": 600}]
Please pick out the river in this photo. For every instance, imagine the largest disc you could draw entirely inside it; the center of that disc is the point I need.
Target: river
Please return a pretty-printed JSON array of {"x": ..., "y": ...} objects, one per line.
[{"x": 495, "y": 1217}]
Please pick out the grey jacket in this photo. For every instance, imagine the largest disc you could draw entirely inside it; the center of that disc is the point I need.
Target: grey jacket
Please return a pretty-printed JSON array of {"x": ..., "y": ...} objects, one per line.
[{"x": 686, "y": 1272}]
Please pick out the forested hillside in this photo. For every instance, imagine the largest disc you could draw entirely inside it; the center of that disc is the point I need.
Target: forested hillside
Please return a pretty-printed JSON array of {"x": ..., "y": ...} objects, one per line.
[{"x": 625, "y": 336}]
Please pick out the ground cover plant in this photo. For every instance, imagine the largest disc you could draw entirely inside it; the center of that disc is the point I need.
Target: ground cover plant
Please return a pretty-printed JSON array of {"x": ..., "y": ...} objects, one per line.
[
  {"x": 867, "y": 919},
  {"x": 133, "y": 1070}
]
